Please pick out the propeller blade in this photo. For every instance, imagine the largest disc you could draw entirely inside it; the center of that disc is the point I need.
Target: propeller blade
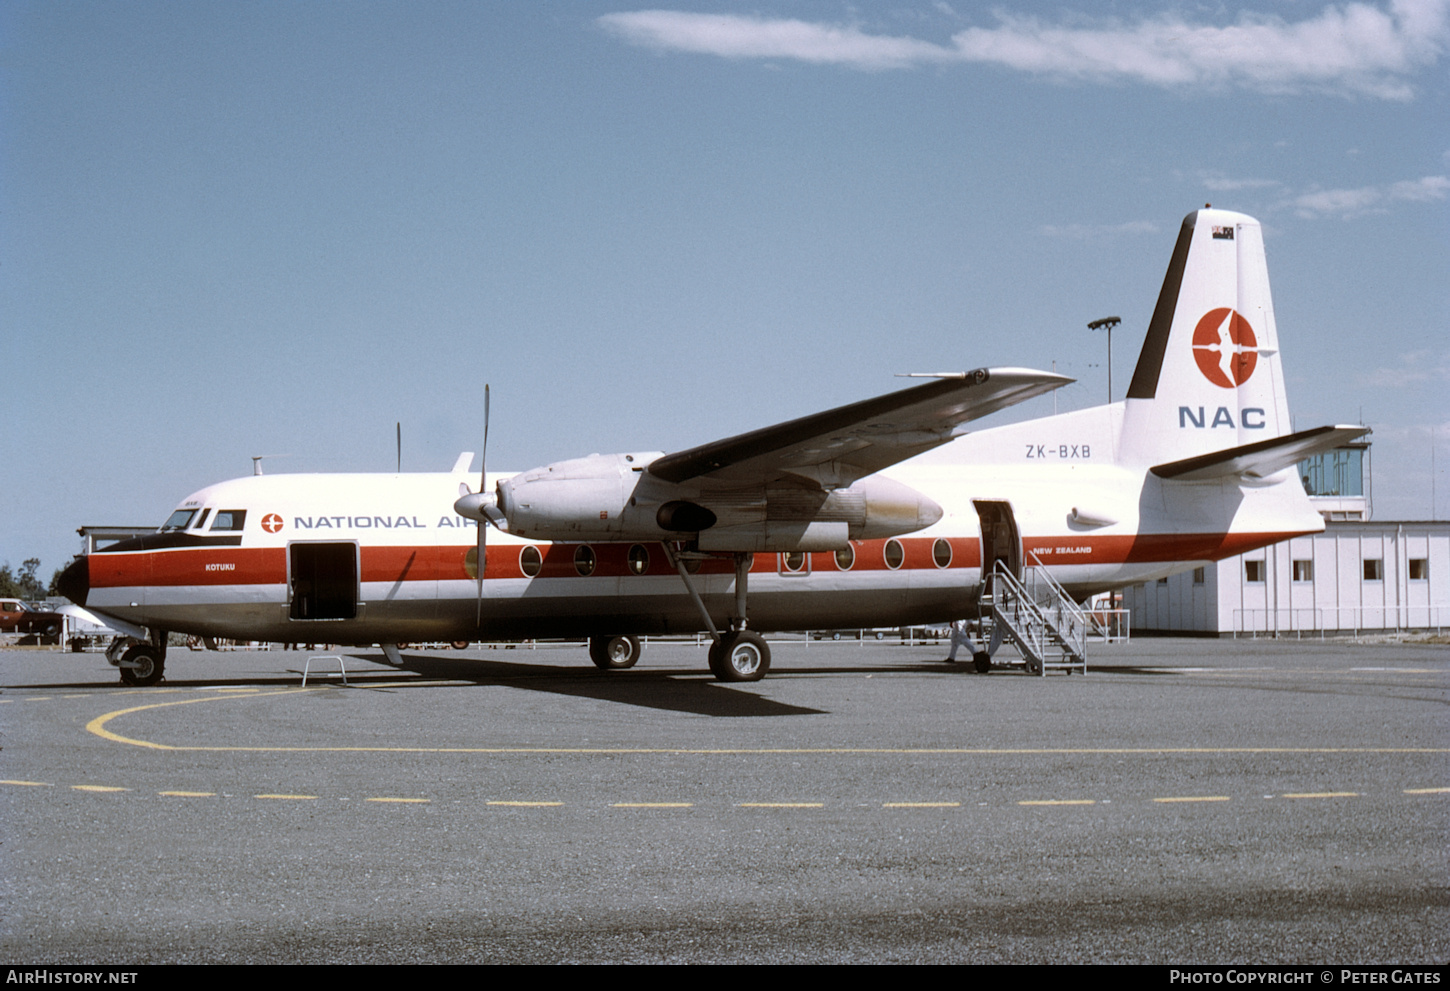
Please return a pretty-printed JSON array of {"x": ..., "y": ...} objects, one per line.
[{"x": 482, "y": 523}]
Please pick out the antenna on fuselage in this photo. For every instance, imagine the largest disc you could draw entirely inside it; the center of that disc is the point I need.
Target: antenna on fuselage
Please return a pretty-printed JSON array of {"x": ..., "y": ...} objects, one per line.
[
  {"x": 257, "y": 463},
  {"x": 400, "y": 447}
]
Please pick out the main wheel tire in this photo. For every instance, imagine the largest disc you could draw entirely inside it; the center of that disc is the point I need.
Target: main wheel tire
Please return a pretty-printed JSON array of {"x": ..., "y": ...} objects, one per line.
[
  {"x": 740, "y": 656},
  {"x": 145, "y": 668},
  {"x": 460, "y": 645},
  {"x": 614, "y": 653},
  {"x": 982, "y": 662}
]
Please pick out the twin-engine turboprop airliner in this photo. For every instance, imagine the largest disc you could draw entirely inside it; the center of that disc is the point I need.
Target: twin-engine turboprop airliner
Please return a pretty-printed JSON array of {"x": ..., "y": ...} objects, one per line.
[{"x": 880, "y": 513}]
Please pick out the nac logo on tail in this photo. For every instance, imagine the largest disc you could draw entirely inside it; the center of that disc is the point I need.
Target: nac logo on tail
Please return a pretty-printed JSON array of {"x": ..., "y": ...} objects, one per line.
[{"x": 1225, "y": 347}]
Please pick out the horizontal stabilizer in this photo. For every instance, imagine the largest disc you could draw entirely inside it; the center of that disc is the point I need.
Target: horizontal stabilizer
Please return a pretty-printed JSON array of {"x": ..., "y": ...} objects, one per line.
[{"x": 1262, "y": 458}]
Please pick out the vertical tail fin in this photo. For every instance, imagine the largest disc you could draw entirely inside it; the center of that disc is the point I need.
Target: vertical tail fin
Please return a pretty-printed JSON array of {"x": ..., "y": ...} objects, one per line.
[{"x": 1209, "y": 375}]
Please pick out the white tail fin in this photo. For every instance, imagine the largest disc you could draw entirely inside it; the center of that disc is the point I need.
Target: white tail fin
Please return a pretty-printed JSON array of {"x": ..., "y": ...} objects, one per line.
[{"x": 1209, "y": 376}]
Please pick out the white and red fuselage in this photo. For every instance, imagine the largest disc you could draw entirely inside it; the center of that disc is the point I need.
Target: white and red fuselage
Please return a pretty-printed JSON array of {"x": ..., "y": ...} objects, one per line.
[{"x": 876, "y": 515}]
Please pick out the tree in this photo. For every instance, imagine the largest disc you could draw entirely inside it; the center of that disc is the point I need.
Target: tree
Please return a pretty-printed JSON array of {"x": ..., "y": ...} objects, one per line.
[{"x": 24, "y": 585}]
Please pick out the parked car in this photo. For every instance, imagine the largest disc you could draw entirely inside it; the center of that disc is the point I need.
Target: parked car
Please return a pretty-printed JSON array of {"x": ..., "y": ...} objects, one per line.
[{"x": 21, "y": 617}]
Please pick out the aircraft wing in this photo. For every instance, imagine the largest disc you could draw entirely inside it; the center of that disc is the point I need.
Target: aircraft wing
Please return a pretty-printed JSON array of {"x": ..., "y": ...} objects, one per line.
[
  {"x": 838, "y": 446},
  {"x": 1261, "y": 458}
]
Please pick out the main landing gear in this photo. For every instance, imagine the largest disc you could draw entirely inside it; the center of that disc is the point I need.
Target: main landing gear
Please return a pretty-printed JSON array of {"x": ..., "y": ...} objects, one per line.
[
  {"x": 737, "y": 654},
  {"x": 614, "y": 653}
]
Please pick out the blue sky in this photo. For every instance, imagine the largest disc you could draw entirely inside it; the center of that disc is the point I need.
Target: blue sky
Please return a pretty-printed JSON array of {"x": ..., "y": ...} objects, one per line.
[{"x": 281, "y": 228}]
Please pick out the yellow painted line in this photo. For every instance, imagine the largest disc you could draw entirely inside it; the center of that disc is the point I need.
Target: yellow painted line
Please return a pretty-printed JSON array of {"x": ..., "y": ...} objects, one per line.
[
  {"x": 653, "y": 805},
  {"x": 296, "y": 797},
  {"x": 1323, "y": 794},
  {"x": 1408, "y": 791},
  {"x": 527, "y": 805},
  {"x": 97, "y": 788},
  {"x": 189, "y": 794},
  {"x": 1195, "y": 798},
  {"x": 1060, "y": 801},
  {"x": 236, "y": 691},
  {"x": 31, "y": 784},
  {"x": 920, "y": 805},
  {"x": 782, "y": 805},
  {"x": 98, "y": 725},
  {"x": 400, "y": 800}
]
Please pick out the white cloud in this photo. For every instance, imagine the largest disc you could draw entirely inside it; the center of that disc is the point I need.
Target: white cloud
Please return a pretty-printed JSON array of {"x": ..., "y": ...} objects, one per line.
[
  {"x": 1350, "y": 49},
  {"x": 1092, "y": 232},
  {"x": 1365, "y": 199},
  {"x": 1414, "y": 368}
]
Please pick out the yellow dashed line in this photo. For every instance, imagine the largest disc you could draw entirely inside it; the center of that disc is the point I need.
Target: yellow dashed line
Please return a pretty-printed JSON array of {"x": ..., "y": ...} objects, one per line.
[
  {"x": 1059, "y": 801},
  {"x": 97, "y": 788},
  {"x": 1195, "y": 798},
  {"x": 1323, "y": 794},
  {"x": 527, "y": 805},
  {"x": 1427, "y": 791},
  {"x": 31, "y": 784},
  {"x": 189, "y": 794}
]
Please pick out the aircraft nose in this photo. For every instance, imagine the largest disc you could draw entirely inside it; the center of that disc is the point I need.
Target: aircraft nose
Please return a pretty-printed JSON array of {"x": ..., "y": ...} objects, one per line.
[{"x": 75, "y": 581}]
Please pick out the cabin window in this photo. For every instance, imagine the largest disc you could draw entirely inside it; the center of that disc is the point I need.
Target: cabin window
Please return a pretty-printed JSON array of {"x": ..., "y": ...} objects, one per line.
[
  {"x": 584, "y": 560},
  {"x": 179, "y": 520},
  {"x": 894, "y": 554},
  {"x": 530, "y": 560},
  {"x": 793, "y": 562},
  {"x": 229, "y": 519},
  {"x": 941, "y": 553},
  {"x": 1374, "y": 569},
  {"x": 201, "y": 520},
  {"x": 1419, "y": 569},
  {"x": 637, "y": 560},
  {"x": 845, "y": 557}
]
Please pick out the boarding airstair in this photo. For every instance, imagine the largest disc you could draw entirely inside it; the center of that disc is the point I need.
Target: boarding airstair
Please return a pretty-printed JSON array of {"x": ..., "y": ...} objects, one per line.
[{"x": 1035, "y": 615}]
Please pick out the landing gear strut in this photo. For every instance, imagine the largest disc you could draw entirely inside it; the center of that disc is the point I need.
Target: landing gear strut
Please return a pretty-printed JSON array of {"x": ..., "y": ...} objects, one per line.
[{"x": 738, "y": 654}]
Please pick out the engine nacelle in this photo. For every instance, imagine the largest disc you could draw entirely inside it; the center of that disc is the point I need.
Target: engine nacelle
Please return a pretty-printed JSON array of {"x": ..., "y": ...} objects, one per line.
[{"x": 612, "y": 497}]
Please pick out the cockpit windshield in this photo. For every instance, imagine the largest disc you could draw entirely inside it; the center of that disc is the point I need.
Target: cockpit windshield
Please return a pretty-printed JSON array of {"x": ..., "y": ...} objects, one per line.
[{"x": 178, "y": 520}]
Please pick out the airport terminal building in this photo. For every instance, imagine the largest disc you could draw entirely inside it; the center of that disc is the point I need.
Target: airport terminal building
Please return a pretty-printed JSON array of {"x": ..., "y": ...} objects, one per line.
[{"x": 1360, "y": 574}]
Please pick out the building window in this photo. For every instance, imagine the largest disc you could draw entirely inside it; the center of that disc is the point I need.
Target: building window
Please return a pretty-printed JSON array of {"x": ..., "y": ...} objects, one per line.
[
  {"x": 1303, "y": 571},
  {"x": 1198, "y": 576},
  {"x": 1253, "y": 571},
  {"x": 1163, "y": 580},
  {"x": 1374, "y": 569},
  {"x": 1419, "y": 569}
]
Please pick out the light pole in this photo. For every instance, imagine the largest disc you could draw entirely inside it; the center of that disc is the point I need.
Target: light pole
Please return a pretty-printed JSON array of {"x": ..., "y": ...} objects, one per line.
[{"x": 1109, "y": 323}]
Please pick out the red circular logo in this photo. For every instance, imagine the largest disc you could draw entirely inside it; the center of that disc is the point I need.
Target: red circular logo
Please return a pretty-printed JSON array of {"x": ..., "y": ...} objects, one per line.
[
  {"x": 271, "y": 522},
  {"x": 1225, "y": 347}
]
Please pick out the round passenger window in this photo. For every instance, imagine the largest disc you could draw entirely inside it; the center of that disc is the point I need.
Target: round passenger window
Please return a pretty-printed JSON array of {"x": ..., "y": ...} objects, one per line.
[
  {"x": 470, "y": 563},
  {"x": 845, "y": 557},
  {"x": 530, "y": 560},
  {"x": 584, "y": 560},
  {"x": 894, "y": 554},
  {"x": 794, "y": 560},
  {"x": 638, "y": 560},
  {"x": 941, "y": 553}
]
